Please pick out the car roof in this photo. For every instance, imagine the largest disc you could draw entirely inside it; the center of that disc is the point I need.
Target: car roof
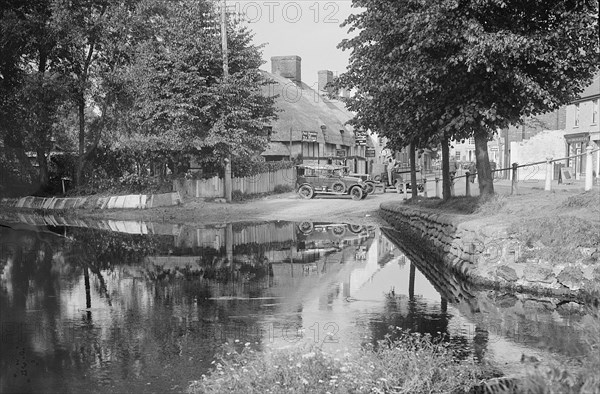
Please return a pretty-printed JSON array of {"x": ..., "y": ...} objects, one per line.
[{"x": 322, "y": 167}]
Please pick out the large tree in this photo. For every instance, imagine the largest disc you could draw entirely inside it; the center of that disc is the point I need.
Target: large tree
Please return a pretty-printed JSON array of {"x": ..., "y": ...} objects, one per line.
[
  {"x": 180, "y": 99},
  {"x": 31, "y": 87},
  {"x": 450, "y": 69}
]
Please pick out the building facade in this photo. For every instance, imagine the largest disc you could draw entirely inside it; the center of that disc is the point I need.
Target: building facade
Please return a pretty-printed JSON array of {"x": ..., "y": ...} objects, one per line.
[
  {"x": 311, "y": 128},
  {"x": 583, "y": 129}
]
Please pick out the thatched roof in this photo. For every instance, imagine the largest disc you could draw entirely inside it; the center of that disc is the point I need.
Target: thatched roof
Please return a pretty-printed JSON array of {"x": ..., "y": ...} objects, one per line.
[
  {"x": 303, "y": 109},
  {"x": 276, "y": 149}
]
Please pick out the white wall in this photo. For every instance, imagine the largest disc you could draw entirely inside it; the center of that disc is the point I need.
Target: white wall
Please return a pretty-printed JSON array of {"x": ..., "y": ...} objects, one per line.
[{"x": 548, "y": 143}]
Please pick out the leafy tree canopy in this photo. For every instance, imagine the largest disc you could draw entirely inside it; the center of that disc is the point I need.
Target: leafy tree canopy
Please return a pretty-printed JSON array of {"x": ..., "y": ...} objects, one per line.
[
  {"x": 422, "y": 68},
  {"x": 179, "y": 97}
]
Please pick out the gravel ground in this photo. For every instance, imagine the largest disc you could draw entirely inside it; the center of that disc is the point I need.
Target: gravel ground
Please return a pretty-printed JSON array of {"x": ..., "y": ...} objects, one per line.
[{"x": 286, "y": 206}]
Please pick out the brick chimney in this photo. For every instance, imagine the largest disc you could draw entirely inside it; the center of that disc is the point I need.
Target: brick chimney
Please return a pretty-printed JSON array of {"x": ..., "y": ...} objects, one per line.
[
  {"x": 288, "y": 67},
  {"x": 325, "y": 77}
]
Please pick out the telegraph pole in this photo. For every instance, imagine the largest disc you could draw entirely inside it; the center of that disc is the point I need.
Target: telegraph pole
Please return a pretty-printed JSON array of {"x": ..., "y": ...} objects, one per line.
[{"x": 228, "y": 184}]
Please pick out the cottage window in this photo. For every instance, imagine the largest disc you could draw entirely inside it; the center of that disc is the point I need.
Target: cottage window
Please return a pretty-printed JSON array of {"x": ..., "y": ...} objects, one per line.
[
  {"x": 595, "y": 111},
  {"x": 576, "y": 114}
]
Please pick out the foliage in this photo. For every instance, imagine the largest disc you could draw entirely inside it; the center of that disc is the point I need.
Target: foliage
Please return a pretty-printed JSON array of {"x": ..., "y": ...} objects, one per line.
[
  {"x": 411, "y": 364},
  {"x": 137, "y": 80},
  {"x": 179, "y": 99},
  {"x": 31, "y": 88},
  {"x": 424, "y": 70}
]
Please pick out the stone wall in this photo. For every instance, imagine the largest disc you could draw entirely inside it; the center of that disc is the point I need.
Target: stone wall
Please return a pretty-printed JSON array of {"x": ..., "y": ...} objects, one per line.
[{"x": 486, "y": 254}]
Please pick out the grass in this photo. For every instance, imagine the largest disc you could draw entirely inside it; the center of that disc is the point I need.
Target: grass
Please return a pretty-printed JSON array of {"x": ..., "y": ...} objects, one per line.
[
  {"x": 411, "y": 364},
  {"x": 463, "y": 205}
]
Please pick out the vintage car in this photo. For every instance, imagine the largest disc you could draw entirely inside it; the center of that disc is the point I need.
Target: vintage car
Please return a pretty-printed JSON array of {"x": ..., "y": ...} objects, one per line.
[
  {"x": 371, "y": 184},
  {"x": 328, "y": 179},
  {"x": 402, "y": 175},
  {"x": 318, "y": 234}
]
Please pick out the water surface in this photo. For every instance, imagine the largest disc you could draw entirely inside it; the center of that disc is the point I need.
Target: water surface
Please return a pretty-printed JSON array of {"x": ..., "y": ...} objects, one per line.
[{"x": 113, "y": 306}]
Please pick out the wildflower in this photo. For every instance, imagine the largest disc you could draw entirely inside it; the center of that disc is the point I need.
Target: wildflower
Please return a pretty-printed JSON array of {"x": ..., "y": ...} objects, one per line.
[{"x": 309, "y": 355}]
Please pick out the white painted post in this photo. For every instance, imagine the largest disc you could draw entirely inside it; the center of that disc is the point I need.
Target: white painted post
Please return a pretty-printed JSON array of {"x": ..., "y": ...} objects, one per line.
[
  {"x": 404, "y": 190},
  {"x": 548, "y": 185},
  {"x": 589, "y": 181},
  {"x": 425, "y": 187},
  {"x": 437, "y": 187}
]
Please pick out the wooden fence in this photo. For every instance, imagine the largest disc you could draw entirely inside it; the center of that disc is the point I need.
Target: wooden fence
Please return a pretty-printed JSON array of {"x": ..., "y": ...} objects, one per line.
[{"x": 214, "y": 187}]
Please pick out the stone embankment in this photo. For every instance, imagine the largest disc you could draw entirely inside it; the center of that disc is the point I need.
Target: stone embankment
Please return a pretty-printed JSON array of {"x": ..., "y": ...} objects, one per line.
[
  {"x": 483, "y": 252},
  {"x": 132, "y": 201}
]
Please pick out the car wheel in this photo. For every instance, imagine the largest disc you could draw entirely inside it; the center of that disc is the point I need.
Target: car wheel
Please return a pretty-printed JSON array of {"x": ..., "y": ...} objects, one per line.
[
  {"x": 339, "y": 230},
  {"x": 370, "y": 188},
  {"x": 356, "y": 192},
  {"x": 356, "y": 228},
  {"x": 306, "y": 227},
  {"x": 338, "y": 187},
  {"x": 365, "y": 194},
  {"x": 306, "y": 192}
]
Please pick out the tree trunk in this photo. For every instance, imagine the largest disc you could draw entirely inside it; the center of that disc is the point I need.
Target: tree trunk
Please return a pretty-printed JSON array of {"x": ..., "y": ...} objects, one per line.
[
  {"x": 43, "y": 130},
  {"x": 413, "y": 172},
  {"x": 25, "y": 165},
  {"x": 446, "y": 181},
  {"x": 484, "y": 170},
  {"x": 42, "y": 161},
  {"x": 81, "y": 160}
]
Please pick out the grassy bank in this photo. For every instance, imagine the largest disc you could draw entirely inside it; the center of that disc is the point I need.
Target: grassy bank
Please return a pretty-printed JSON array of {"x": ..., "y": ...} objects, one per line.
[{"x": 410, "y": 364}]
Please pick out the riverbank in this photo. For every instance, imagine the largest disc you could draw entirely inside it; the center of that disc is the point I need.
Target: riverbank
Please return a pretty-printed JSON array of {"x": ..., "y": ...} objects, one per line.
[
  {"x": 196, "y": 211},
  {"x": 541, "y": 242}
]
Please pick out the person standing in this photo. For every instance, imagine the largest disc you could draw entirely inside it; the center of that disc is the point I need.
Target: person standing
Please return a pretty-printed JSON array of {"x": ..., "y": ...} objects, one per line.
[{"x": 473, "y": 171}]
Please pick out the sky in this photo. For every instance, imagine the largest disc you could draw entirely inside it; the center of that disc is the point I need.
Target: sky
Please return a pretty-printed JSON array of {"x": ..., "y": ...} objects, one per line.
[{"x": 307, "y": 28}]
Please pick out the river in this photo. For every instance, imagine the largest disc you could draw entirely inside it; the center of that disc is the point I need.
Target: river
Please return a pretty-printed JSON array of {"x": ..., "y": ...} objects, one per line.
[{"x": 117, "y": 306}]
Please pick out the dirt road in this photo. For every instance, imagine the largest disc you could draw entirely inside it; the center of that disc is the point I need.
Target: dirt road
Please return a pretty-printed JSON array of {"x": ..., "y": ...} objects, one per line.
[{"x": 277, "y": 207}]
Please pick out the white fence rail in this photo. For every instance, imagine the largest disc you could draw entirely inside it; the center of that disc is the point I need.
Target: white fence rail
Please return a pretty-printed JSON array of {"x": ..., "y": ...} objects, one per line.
[{"x": 214, "y": 187}]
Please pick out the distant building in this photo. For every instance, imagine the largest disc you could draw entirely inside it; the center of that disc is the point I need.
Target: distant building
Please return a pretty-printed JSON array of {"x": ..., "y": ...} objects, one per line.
[
  {"x": 583, "y": 128},
  {"x": 310, "y": 127}
]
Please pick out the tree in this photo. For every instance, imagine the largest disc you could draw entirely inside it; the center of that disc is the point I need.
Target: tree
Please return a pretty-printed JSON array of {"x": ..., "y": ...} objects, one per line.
[
  {"x": 180, "y": 101},
  {"x": 452, "y": 69},
  {"x": 32, "y": 89}
]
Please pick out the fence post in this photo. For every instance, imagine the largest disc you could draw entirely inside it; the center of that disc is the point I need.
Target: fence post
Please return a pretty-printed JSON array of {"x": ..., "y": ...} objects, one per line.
[
  {"x": 437, "y": 187},
  {"x": 404, "y": 190},
  {"x": 548, "y": 185},
  {"x": 589, "y": 180},
  {"x": 513, "y": 185},
  {"x": 452, "y": 185},
  {"x": 425, "y": 187},
  {"x": 468, "y": 184}
]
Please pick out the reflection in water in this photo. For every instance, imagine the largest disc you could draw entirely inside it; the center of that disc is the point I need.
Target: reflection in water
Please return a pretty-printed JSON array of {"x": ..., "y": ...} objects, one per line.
[{"x": 126, "y": 306}]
